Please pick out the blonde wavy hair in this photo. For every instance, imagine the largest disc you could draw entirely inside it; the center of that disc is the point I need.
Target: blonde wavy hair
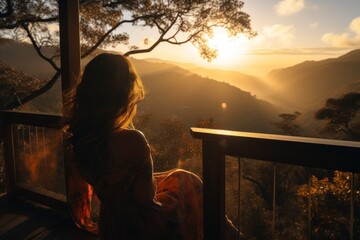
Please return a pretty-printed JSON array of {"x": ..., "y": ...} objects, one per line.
[{"x": 104, "y": 100}]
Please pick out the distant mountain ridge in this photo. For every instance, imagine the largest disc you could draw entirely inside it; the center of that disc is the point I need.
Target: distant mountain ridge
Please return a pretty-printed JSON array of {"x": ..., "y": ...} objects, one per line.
[
  {"x": 189, "y": 92},
  {"x": 240, "y": 80},
  {"x": 307, "y": 85},
  {"x": 172, "y": 92},
  {"x": 190, "y": 97}
]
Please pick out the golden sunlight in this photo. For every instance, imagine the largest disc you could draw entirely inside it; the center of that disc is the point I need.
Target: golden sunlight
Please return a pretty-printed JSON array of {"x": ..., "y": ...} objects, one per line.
[{"x": 230, "y": 49}]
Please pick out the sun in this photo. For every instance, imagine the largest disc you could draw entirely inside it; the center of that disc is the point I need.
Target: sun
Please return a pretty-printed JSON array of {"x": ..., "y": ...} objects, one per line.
[{"x": 231, "y": 50}]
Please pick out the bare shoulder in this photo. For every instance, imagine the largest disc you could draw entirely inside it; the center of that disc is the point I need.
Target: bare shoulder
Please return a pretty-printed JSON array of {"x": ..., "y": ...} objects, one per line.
[{"x": 128, "y": 140}]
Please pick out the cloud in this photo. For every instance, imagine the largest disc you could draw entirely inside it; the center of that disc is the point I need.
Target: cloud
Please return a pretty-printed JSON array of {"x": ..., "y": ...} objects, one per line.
[
  {"x": 313, "y": 25},
  {"x": 330, "y": 51},
  {"x": 355, "y": 26},
  {"x": 278, "y": 34},
  {"x": 289, "y": 7},
  {"x": 350, "y": 38}
]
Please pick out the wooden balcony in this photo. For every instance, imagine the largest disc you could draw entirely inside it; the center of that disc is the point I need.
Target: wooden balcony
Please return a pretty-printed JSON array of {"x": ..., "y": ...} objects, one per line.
[
  {"x": 35, "y": 203},
  {"x": 48, "y": 204},
  {"x": 38, "y": 209}
]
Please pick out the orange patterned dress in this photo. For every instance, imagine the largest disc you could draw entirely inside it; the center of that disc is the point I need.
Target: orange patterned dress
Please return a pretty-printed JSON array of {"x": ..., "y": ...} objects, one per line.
[{"x": 135, "y": 202}]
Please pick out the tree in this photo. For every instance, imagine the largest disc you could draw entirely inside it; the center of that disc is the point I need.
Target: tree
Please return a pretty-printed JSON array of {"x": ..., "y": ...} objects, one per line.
[
  {"x": 342, "y": 116},
  {"x": 287, "y": 124},
  {"x": 342, "y": 122},
  {"x": 176, "y": 22},
  {"x": 19, "y": 86},
  {"x": 330, "y": 200}
]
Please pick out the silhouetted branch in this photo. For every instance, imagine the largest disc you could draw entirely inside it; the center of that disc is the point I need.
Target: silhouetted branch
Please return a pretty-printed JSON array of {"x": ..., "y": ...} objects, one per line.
[
  {"x": 160, "y": 39},
  {"x": 37, "y": 48},
  {"x": 262, "y": 189},
  {"x": 29, "y": 20},
  {"x": 102, "y": 39},
  {"x": 35, "y": 93},
  {"x": 184, "y": 41}
]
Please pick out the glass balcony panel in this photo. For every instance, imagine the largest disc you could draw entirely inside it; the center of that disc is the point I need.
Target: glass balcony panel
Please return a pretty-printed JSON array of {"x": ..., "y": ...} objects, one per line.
[
  {"x": 291, "y": 202},
  {"x": 309, "y": 203},
  {"x": 2, "y": 167},
  {"x": 38, "y": 156},
  {"x": 356, "y": 201},
  {"x": 256, "y": 187},
  {"x": 330, "y": 204}
]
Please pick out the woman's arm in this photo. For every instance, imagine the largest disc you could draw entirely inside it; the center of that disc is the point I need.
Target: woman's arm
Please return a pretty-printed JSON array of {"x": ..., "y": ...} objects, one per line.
[{"x": 131, "y": 146}]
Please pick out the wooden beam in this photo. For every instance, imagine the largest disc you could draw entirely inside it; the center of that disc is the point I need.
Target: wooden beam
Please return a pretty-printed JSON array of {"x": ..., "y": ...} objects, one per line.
[
  {"x": 30, "y": 118},
  {"x": 70, "y": 59},
  {"x": 69, "y": 43},
  {"x": 9, "y": 158},
  {"x": 214, "y": 191},
  {"x": 308, "y": 152}
]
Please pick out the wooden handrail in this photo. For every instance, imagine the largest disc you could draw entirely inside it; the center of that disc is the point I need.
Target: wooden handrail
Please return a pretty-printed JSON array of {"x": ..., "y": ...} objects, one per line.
[
  {"x": 309, "y": 152},
  {"x": 30, "y": 118}
]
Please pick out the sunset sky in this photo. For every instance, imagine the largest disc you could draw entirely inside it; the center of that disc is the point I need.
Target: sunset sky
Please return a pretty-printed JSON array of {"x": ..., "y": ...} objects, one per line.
[{"x": 289, "y": 32}]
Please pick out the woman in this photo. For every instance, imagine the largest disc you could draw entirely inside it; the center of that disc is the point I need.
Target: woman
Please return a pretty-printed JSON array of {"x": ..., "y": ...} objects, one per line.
[{"x": 115, "y": 160}]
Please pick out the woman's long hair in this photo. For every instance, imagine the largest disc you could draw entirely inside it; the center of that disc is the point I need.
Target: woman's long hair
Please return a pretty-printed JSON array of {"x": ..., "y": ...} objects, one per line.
[{"x": 104, "y": 100}]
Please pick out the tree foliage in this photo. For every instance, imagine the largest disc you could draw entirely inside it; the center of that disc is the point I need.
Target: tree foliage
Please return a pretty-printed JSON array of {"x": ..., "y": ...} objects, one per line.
[
  {"x": 19, "y": 86},
  {"x": 287, "y": 124},
  {"x": 102, "y": 24},
  {"x": 342, "y": 116},
  {"x": 330, "y": 200}
]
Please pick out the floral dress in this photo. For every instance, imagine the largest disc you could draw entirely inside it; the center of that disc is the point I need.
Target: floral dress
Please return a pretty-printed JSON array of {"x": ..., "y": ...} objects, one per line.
[{"x": 174, "y": 213}]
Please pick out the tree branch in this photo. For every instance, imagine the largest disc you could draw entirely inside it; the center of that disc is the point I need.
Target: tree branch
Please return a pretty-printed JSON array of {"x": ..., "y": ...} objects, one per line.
[
  {"x": 159, "y": 27},
  {"x": 37, "y": 48},
  {"x": 266, "y": 197},
  {"x": 191, "y": 35},
  {"x": 160, "y": 39},
  {"x": 35, "y": 93},
  {"x": 29, "y": 20},
  {"x": 184, "y": 41},
  {"x": 101, "y": 40}
]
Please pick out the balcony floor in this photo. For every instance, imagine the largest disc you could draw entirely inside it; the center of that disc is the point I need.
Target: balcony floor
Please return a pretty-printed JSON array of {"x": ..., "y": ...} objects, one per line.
[{"x": 25, "y": 220}]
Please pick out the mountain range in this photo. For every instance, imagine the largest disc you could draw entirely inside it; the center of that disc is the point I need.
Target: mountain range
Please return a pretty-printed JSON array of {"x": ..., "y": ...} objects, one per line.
[
  {"x": 190, "y": 92},
  {"x": 307, "y": 85},
  {"x": 240, "y": 80},
  {"x": 172, "y": 92}
]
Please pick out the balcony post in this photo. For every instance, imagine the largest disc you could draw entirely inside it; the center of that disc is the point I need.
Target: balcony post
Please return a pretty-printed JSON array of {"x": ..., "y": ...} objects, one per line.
[
  {"x": 214, "y": 190},
  {"x": 70, "y": 58},
  {"x": 8, "y": 158},
  {"x": 69, "y": 43}
]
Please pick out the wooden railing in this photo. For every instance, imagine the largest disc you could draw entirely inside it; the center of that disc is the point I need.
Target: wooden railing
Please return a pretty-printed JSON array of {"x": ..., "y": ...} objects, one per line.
[
  {"x": 29, "y": 130},
  {"x": 308, "y": 152}
]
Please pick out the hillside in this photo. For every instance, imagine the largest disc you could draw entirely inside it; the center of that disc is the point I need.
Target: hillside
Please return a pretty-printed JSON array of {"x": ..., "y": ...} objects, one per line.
[
  {"x": 307, "y": 85},
  {"x": 189, "y": 97},
  {"x": 172, "y": 91},
  {"x": 242, "y": 81},
  {"x": 23, "y": 58}
]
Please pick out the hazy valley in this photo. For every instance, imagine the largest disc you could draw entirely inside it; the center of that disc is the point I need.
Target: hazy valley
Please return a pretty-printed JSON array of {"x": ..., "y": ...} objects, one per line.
[{"x": 188, "y": 92}]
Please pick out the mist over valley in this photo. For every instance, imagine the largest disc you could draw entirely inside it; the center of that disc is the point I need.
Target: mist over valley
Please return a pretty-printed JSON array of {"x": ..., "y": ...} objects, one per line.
[{"x": 234, "y": 100}]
